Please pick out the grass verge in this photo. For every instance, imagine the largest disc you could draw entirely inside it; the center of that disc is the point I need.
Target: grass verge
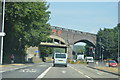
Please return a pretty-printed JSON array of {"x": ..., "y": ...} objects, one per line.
[{"x": 109, "y": 69}]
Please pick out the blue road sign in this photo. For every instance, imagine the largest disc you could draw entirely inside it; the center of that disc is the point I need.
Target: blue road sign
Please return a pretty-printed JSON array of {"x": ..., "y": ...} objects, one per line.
[{"x": 35, "y": 51}]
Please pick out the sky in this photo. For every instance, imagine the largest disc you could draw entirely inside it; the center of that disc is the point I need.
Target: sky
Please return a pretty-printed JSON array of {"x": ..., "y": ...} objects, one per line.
[{"x": 84, "y": 16}]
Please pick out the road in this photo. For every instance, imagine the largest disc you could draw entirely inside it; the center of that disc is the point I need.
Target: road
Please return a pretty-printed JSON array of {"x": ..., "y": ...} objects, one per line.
[{"x": 47, "y": 72}]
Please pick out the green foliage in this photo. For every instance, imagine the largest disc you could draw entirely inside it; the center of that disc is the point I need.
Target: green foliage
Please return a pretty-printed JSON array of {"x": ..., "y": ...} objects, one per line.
[
  {"x": 79, "y": 49},
  {"x": 45, "y": 51},
  {"x": 87, "y": 50},
  {"x": 26, "y": 24},
  {"x": 108, "y": 41}
]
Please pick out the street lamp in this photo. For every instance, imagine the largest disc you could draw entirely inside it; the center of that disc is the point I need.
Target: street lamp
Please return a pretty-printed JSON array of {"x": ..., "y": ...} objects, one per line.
[
  {"x": 2, "y": 31},
  {"x": 93, "y": 52},
  {"x": 102, "y": 53},
  {"x": 118, "y": 44},
  {"x": 100, "y": 48}
]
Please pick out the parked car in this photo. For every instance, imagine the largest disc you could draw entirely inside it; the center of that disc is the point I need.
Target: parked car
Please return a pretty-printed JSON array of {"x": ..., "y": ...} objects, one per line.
[
  {"x": 112, "y": 63},
  {"x": 60, "y": 59}
]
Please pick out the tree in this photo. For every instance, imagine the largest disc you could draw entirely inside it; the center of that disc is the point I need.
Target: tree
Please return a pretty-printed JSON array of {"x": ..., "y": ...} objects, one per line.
[
  {"x": 87, "y": 50},
  {"x": 108, "y": 40},
  {"x": 79, "y": 49},
  {"x": 26, "y": 24},
  {"x": 45, "y": 51}
]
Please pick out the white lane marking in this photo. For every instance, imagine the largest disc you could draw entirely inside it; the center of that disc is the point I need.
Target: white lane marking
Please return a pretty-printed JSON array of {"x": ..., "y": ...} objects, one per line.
[
  {"x": 99, "y": 73},
  {"x": 13, "y": 69},
  {"x": 81, "y": 73},
  {"x": 87, "y": 76},
  {"x": 42, "y": 65},
  {"x": 96, "y": 71},
  {"x": 44, "y": 73},
  {"x": 63, "y": 72},
  {"x": 27, "y": 70}
]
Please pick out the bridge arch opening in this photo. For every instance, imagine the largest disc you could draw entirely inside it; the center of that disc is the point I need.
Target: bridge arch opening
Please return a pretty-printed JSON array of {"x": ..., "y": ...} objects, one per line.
[
  {"x": 86, "y": 42},
  {"x": 83, "y": 47}
]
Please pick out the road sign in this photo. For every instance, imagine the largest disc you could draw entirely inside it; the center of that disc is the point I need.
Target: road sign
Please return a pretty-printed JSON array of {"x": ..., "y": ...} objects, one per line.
[{"x": 35, "y": 51}]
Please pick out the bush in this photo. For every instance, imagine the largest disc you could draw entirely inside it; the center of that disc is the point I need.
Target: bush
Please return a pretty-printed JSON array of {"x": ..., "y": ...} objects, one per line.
[
  {"x": 77, "y": 62},
  {"x": 72, "y": 62}
]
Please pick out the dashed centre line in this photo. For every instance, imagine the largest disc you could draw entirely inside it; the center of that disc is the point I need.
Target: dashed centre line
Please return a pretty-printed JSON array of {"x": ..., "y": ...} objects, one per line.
[
  {"x": 81, "y": 73},
  {"x": 63, "y": 72}
]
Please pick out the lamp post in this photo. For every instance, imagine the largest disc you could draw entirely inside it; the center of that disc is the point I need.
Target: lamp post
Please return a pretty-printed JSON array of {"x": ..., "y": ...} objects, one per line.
[
  {"x": 94, "y": 52},
  {"x": 100, "y": 48},
  {"x": 2, "y": 31},
  {"x": 118, "y": 44},
  {"x": 102, "y": 53}
]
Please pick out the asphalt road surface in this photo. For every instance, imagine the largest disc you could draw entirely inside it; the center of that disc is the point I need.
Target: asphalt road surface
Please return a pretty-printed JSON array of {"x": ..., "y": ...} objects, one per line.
[{"x": 45, "y": 71}]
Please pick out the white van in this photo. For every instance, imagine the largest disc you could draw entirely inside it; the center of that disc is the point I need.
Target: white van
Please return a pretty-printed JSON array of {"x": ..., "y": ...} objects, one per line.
[
  {"x": 89, "y": 59},
  {"x": 60, "y": 59}
]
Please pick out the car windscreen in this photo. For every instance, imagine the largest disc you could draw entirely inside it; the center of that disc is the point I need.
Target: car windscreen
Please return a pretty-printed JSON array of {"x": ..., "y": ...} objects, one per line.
[
  {"x": 90, "y": 59},
  {"x": 60, "y": 56},
  {"x": 112, "y": 62}
]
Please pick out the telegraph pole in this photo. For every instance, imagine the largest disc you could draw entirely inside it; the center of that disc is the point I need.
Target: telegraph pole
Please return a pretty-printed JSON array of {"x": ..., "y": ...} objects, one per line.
[
  {"x": 118, "y": 44},
  {"x": 100, "y": 48},
  {"x": 2, "y": 32}
]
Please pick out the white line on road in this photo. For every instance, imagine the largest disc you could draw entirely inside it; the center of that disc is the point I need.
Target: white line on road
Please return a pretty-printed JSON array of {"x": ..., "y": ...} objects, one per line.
[
  {"x": 44, "y": 73},
  {"x": 27, "y": 70},
  {"x": 42, "y": 65},
  {"x": 63, "y": 72},
  {"x": 81, "y": 73},
  {"x": 87, "y": 76},
  {"x": 99, "y": 73},
  {"x": 13, "y": 69}
]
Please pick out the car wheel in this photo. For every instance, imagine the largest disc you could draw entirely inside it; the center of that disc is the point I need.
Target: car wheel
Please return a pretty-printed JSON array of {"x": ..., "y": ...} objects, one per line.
[
  {"x": 53, "y": 65},
  {"x": 65, "y": 65}
]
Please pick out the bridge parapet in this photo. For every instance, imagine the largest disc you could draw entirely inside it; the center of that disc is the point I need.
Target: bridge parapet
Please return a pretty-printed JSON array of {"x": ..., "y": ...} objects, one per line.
[
  {"x": 73, "y": 36},
  {"x": 74, "y": 31}
]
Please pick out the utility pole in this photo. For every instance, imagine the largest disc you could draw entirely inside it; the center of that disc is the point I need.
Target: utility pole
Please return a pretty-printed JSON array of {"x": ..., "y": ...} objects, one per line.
[
  {"x": 118, "y": 43},
  {"x": 93, "y": 52},
  {"x": 2, "y": 31},
  {"x": 100, "y": 48},
  {"x": 102, "y": 53}
]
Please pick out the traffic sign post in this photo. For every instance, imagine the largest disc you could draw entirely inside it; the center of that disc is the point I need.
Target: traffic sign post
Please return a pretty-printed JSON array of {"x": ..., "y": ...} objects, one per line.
[
  {"x": 2, "y": 33},
  {"x": 36, "y": 53}
]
